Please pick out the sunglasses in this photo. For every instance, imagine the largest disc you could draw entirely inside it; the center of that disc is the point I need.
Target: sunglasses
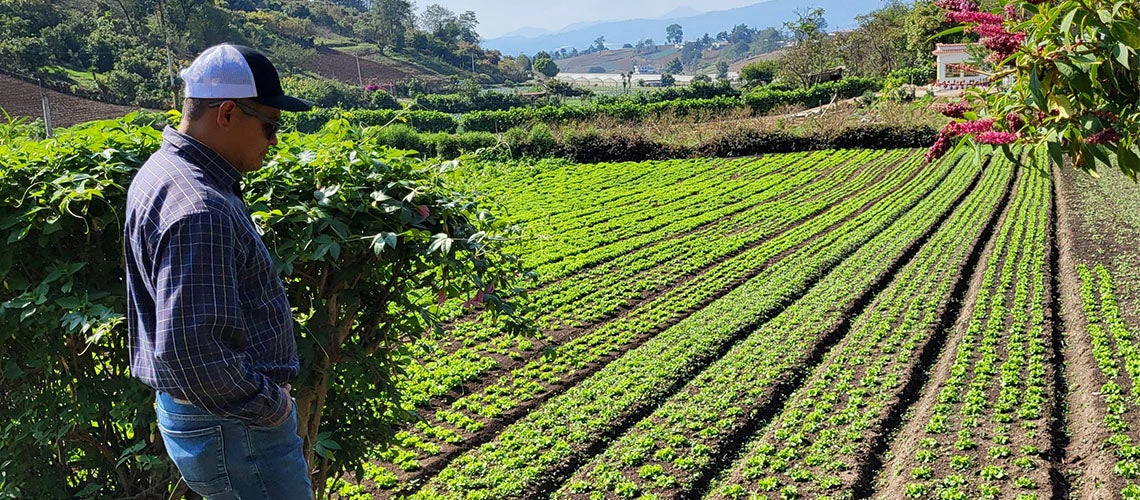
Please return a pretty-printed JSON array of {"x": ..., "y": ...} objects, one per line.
[{"x": 269, "y": 126}]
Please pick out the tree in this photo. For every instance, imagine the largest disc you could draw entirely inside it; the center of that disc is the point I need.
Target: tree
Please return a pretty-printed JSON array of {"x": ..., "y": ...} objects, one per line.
[
  {"x": 878, "y": 45},
  {"x": 813, "y": 51},
  {"x": 674, "y": 66},
  {"x": 599, "y": 44},
  {"x": 674, "y": 34},
  {"x": 741, "y": 33},
  {"x": 722, "y": 70},
  {"x": 690, "y": 54},
  {"x": 667, "y": 80},
  {"x": 645, "y": 45},
  {"x": 759, "y": 73},
  {"x": 1074, "y": 88},
  {"x": 546, "y": 67},
  {"x": 542, "y": 54},
  {"x": 523, "y": 62},
  {"x": 390, "y": 21}
]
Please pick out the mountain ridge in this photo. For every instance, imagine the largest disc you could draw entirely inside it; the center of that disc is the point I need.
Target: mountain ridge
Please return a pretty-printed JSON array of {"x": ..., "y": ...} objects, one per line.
[{"x": 840, "y": 14}]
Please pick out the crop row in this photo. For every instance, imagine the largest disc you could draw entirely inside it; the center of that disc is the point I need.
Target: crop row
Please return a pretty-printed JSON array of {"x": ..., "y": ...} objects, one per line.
[
  {"x": 603, "y": 287},
  {"x": 600, "y": 291},
  {"x": 984, "y": 435},
  {"x": 562, "y": 247},
  {"x": 526, "y": 383},
  {"x": 1117, "y": 357},
  {"x": 674, "y": 450},
  {"x": 536, "y": 452}
]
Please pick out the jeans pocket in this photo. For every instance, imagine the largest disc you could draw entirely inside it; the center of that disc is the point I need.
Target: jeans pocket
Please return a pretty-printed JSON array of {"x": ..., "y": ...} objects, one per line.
[{"x": 200, "y": 457}]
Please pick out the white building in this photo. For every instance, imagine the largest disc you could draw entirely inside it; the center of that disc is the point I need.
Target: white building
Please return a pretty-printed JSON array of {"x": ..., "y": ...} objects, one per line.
[{"x": 952, "y": 74}]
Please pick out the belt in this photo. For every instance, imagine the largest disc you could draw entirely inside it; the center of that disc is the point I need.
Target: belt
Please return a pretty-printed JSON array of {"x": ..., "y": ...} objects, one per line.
[{"x": 181, "y": 401}]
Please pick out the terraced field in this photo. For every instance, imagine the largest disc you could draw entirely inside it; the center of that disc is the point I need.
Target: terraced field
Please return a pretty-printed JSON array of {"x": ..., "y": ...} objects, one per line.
[{"x": 834, "y": 324}]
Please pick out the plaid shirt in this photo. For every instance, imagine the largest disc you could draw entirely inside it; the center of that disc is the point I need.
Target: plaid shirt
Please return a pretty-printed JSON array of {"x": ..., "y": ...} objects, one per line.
[{"x": 208, "y": 316}]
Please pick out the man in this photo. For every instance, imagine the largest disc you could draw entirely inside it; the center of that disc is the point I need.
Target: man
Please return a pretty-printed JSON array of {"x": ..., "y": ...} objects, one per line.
[{"x": 210, "y": 325}]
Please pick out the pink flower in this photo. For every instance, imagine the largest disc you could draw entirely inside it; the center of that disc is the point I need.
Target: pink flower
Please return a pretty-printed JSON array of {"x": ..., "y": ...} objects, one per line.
[
  {"x": 965, "y": 128},
  {"x": 423, "y": 211},
  {"x": 441, "y": 297},
  {"x": 996, "y": 138},
  {"x": 939, "y": 149},
  {"x": 973, "y": 17},
  {"x": 956, "y": 5},
  {"x": 1013, "y": 121},
  {"x": 1106, "y": 136},
  {"x": 954, "y": 109},
  {"x": 490, "y": 288}
]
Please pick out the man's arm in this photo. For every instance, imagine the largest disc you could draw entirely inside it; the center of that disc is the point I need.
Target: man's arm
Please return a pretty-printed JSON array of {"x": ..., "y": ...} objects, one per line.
[{"x": 200, "y": 334}]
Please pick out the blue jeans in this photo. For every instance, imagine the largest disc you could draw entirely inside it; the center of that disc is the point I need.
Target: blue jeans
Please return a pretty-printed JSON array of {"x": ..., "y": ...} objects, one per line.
[{"x": 222, "y": 458}]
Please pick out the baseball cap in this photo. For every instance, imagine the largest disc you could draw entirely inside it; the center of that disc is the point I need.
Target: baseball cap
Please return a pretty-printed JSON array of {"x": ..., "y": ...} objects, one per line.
[{"x": 229, "y": 71}]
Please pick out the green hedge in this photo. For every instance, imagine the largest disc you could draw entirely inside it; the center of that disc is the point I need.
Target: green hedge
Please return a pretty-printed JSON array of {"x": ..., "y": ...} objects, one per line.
[
  {"x": 764, "y": 99},
  {"x": 336, "y": 203},
  {"x": 759, "y": 101},
  {"x": 423, "y": 121}
]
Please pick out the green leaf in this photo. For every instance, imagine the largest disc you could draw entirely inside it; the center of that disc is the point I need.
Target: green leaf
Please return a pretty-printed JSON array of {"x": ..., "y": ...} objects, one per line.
[
  {"x": 1037, "y": 96},
  {"x": 19, "y": 235},
  {"x": 1126, "y": 32},
  {"x": 951, "y": 31},
  {"x": 1128, "y": 160},
  {"x": 440, "y": 242},
  {"x": 70, "y": 302},
  {"x": 1067, "y": 22},
  {"x": 1056, "y": 153}
]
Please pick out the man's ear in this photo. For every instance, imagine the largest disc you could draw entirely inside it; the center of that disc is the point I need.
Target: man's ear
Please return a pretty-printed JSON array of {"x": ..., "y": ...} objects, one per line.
[{"x": 225, "y": 115}]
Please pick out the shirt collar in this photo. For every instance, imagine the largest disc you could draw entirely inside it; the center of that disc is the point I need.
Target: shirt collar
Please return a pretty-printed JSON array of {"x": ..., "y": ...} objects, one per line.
[{"x": 220, "y": 170}]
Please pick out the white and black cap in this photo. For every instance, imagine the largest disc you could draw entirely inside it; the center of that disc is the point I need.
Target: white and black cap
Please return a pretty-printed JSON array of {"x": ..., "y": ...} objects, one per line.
[{"x": 238, "y": 72}]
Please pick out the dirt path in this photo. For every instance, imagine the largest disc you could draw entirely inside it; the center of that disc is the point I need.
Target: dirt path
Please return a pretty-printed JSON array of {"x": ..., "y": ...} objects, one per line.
[{"x": 1088, "y": 466}]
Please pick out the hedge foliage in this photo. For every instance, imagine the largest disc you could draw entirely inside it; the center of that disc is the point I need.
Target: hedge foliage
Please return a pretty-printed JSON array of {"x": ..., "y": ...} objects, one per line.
[
  {"x": 423, "y": 121},
  {"x": 759, "y": 101},
  {"x": 466, "y": 103},
  {"x": 343, "y": 217},
  {"x": 763, "y": 99}
]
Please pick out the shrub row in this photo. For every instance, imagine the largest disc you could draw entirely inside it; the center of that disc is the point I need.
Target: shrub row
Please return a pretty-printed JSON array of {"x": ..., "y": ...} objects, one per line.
[
  {"x": 590, "y": 146},
  {"x": 758, "y": 101},
  {"x": 765, "y": 99},
  {"x": 423, "y": 121},
  {"x": 466, "y": 103},
  {"x": 695, "y": 90},
  {"x": 498, "y": 121}
]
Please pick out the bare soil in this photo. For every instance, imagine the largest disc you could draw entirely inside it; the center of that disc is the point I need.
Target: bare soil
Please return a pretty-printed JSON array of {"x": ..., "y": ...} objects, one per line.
[{"x": 1088, "y": 465}]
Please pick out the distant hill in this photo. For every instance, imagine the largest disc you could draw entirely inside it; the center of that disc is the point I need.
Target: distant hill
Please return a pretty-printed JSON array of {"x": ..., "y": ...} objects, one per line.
[
  {"x": 840, "y": 14},
  {"x": 622, "y": 60}
]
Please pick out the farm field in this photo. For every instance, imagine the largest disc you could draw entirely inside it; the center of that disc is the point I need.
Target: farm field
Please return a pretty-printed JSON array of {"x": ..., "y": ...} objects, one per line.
[{"x": 840, "y": 324}]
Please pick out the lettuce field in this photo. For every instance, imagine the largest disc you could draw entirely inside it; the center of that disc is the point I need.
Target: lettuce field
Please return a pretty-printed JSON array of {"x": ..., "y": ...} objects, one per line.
[
  {"x": 831, "y": 324},
  {"x": 826, "y": 324}
]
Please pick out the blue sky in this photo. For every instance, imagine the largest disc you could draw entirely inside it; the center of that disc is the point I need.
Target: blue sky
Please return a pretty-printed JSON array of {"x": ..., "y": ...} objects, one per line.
[{"x": 497, "y": 18}]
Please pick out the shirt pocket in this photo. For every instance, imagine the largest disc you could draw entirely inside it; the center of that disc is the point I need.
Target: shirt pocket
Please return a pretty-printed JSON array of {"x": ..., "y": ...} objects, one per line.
[{"x": 200, "y": 457}]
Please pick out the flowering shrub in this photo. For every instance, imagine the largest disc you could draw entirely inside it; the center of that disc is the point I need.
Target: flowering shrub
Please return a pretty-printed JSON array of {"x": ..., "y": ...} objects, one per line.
[{"x": 1075, "y": 86}]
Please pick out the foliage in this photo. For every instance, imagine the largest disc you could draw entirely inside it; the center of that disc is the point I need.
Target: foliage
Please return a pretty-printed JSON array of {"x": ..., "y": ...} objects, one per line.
[
  {"x": 364, "y": 237},
  {"x": 765, "y": 99},
  {"x": 424, "y": 121},
  {"x": 326, "y": 93},
  {"x": 465, "y": 103},
  {"x": 546, "y": 66},
  {"x": 1074, "y": 86},
  {"x": 759, "y": 73}
]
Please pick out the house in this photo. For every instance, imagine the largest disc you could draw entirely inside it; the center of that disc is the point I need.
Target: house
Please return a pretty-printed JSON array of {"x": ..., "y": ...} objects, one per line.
[
  {"x": 645, "y": 69},
  {"x": 954, "y": 71}
]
